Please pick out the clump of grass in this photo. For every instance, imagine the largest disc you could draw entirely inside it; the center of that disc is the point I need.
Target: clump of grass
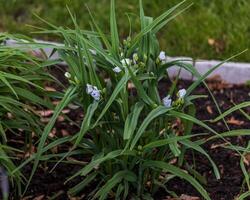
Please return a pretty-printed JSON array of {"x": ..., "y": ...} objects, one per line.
[{"x": 20, "y": 73}]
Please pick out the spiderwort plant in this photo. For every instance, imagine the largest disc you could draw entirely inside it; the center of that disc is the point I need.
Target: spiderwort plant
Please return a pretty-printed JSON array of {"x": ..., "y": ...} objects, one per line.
[
  {"x": 20, "y": 73},
  {"x": 127, "y": 126}
]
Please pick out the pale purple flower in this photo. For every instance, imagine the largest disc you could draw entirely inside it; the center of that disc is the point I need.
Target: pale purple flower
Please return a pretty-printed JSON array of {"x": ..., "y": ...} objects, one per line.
[
  {"x": 162, "y": 56},
  {"x": 167, "y": 101},
  {"x": 96, "y": 95},
  {"x": 117, "y": 70},
  {"x": 93, "y": 91},
  {"x": 181, "y": 93}
]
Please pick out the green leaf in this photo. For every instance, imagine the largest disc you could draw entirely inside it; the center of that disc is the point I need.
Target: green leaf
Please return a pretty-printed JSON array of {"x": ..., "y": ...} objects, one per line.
[
  {"x": 233, "y": 133},
  {"x": 190, "y": 118},
  {"x": 178, "y": 172},
  {"x": 204, "y": 76},
  {"x": 196, "y": 147},
  {"x": 132, "y": 120},
  {"x": 69, "y": 95},
  {"x": 80, "y": 186},
  {"x": 167, "y": 141},
  {"x": 151, "y": 26},
  {"x": 113, "y": 29},
  {"x": 111, "y": 183},
  {"x": 86, "y": 122},
  {"x": 243, "y": 196},
  {"x": 121, "y": 84},
  {"x": 160, "y": 110},
  {"x": 141, "y": 92},
  {"x": 231, "y": 110}
]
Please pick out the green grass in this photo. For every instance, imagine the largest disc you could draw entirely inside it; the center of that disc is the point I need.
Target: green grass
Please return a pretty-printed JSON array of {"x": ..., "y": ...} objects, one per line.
[{"x": 226, "y": 22}]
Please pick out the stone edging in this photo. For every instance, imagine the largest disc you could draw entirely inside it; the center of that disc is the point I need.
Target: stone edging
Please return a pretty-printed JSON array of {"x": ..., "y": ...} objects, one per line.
[{"x": 230, "y": 72}]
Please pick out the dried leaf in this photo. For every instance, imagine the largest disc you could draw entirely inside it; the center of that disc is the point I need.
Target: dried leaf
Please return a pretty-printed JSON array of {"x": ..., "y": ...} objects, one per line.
[
  {"x": 64, "y": 132},
  {"x": 52, "y": 133},
  {"x": 45, "y": 113},
  {"x": 50, "y": 89},
  {"x": 215, "y": 146},
  {"x": 209, "y": 110},
  {"x": 211, "y": 41},
  {"x": 234, "y": 121},
  {"x": 246, "y": 159},
  {"x": 41, "y": 197},
  {"x": 187, "y": 197}
]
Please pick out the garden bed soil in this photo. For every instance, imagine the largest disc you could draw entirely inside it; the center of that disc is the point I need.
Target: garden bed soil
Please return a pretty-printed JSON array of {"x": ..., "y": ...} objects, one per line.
[{"x": 46, "y": 185}]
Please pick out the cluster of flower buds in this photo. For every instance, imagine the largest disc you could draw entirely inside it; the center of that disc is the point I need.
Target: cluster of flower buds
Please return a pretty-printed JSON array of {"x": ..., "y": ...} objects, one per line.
[
  {"x": 135, "y": 58},
  {"x": 127, "y": 42},
  {"x": 125, "y": 62},
  {"x": 167, "y": 101}
]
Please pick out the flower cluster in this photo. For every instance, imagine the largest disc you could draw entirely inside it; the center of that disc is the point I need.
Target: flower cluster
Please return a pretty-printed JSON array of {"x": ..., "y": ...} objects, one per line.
[
  {"x": 167, "y": 101},
  {"x": 93, "y": 91}
]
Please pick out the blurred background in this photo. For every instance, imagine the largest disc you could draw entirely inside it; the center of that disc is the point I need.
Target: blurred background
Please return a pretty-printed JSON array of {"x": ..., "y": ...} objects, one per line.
[{"x": 210, "y": 29}]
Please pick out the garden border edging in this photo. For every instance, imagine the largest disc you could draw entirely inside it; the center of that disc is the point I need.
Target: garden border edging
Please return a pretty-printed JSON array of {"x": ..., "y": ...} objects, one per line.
[{"x": 230, "y": 72}]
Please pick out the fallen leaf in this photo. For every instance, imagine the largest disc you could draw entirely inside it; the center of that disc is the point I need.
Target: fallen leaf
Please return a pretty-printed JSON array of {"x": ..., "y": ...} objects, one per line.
[
  {"x": 64, "y": 132},
  {"x": 27, "y": 197},
  {"x": 209, "y": 110},
  {"x": 215, "y": 146},
  {"x": 246, "y": 159},
  {"x": 60, "y": 118},
  {"x": 234, "y": 121},
  {"x": 41, "y": 197},
  {"x": 50, "y": 89},
  {"x": 183, "y": 197},
  {"x": 218, "y": 44},
  {"x": 52, "y": 133},
  {"x": 187, "y": 197},
  {"x": 45, "y": 113}
]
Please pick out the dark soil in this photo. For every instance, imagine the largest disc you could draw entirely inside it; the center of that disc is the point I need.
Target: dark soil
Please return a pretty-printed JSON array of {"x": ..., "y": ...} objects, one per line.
[
  {"x": 230, "y": 184},
  {"x": 45, "y": 185}
]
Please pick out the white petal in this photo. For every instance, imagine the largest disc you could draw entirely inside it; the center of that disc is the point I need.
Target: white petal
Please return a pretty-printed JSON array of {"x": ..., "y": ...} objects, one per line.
[
  {"x": 162, "y": 56},
  {"x": 67, "y": 75},
  {"x": 117, "y": 70},
  {"x": 167, "y": 101},
  {"x": 89, "y": 89},
  {"x": 181, "y": 93},
  {"x": 125, "y": 62}
]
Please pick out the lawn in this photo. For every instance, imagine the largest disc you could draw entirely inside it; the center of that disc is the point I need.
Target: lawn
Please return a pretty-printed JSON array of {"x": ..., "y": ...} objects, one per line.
[{"x": 210, "y": 29}]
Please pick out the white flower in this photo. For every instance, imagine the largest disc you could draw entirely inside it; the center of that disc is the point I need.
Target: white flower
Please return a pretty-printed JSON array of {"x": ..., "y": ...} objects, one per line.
[
  {"x": 167, "y": 101},
  {"x": 125, "y": 62},
  {"x": 181, "y": 93},
  {"x": 67, "y": 75},
  {"x": 93, "y": 91},
  {"x": 117, "y": 70},
  {"x": 162, "y": 56}
]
